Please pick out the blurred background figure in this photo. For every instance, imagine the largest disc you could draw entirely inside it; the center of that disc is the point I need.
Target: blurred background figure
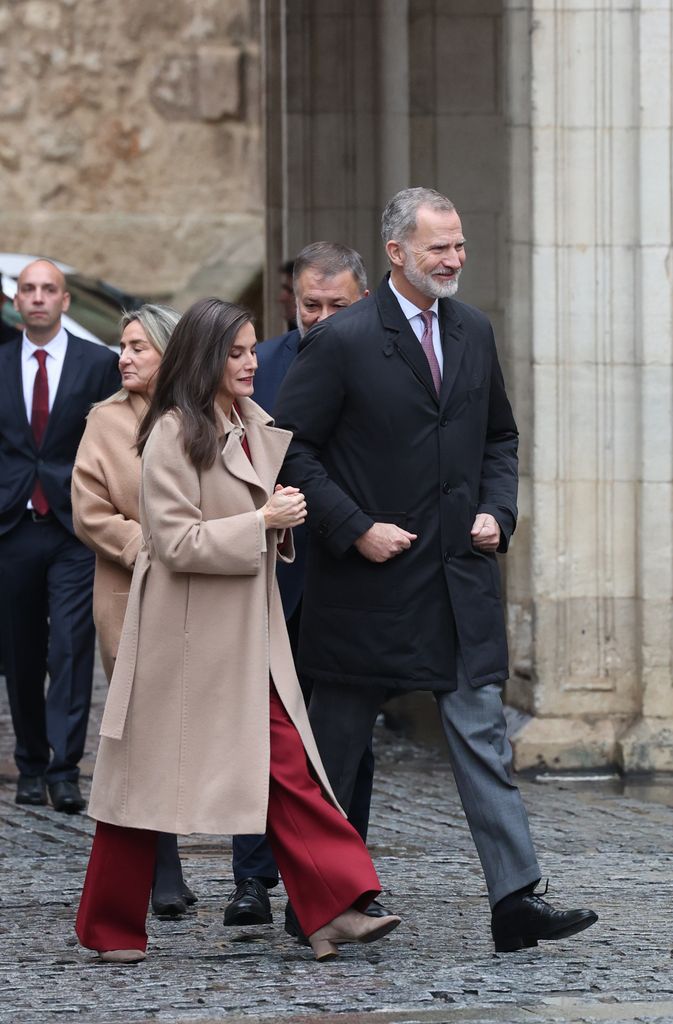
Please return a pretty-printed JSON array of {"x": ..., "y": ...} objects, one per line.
[
  {"x": 48, "y": 381},
  {"x": 105, "y": 503}
]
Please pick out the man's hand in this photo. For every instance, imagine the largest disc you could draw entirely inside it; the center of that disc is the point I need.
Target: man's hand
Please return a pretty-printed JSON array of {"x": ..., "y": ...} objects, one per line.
[
  {"x": 383, "y": 541},
  {"x": 485, "y": 532}
]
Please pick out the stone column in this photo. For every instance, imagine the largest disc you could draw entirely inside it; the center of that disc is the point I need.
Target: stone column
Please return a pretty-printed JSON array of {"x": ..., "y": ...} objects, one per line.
[
  {"x": 648, "y": 743},
  {"x": 589, "y": 318}
]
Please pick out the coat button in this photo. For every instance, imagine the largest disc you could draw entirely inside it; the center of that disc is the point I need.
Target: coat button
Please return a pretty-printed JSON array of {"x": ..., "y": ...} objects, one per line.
[
  {"x": 443, "y": 422},
  {"x": 446, "y": 487},
  {"x": 447, "y": 556},
  {"x": 322, "y": 529}
]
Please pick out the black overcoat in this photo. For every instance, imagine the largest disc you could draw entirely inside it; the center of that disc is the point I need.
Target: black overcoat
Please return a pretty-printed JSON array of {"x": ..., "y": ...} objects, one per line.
[{"x": 372, "y": 442}]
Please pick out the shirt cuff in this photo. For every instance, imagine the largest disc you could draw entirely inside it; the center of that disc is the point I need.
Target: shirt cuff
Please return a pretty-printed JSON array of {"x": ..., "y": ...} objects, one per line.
[{"x": 262, "y": 530}]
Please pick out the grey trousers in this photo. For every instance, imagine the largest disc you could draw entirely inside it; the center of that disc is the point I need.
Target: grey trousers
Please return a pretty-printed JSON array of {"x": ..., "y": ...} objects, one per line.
[{"x": 342, "y": 718}]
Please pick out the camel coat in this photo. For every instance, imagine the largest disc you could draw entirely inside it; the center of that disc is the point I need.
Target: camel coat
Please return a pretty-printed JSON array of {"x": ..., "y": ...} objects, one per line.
[
  {"x": 105, "y": 497},
  {"x": 185, "y": 734}
]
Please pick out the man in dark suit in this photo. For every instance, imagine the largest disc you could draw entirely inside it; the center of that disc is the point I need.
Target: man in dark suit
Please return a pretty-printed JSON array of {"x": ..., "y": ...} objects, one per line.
[
  {"x": 49, "y": 380},
  {"x": 406, "y": 449},
  {"x": 327, "y": 277}
]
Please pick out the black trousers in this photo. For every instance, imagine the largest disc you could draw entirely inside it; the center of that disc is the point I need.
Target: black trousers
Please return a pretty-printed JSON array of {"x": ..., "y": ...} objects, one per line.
[{"x": 46, "y": 627}]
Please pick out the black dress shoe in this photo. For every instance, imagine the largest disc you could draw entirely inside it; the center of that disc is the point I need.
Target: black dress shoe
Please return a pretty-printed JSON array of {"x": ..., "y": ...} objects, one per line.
[
  {"x": 31, "y": 789},
  {"x": 164, "y": 905},
  {"x": 66, "y": 797},
  {"x": 250, "y": 904},
  {"x": 527, "y": 921},
  {"x": 188, "y": 896},
  {"x": 170, "y": 894}
]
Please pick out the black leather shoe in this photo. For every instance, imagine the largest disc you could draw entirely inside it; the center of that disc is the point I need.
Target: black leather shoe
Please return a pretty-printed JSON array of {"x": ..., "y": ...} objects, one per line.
[
  {"x": 188, "y": 896},
  {"x": 66, "y": 797},
  {"x": 531, "y": 919},
  {"x": 250, "y": 904},
  {"x": 292, "y": 926},
  {"x": 164, "y": 905},
  {"x": 31, "y": 789}
]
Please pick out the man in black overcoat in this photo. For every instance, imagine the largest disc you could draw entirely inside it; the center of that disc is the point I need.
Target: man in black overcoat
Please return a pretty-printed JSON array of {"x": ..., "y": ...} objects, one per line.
[
  {"x": 406, "y": 449},
  {"x": 49, "y": 380}
]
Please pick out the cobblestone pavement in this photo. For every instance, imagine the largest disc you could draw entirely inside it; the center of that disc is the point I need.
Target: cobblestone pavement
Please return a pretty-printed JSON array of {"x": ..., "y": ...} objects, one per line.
[{"x": 600, "y": 848}]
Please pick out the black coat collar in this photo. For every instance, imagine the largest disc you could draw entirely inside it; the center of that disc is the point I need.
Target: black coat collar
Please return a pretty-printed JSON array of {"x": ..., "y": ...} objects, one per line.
[{"x": 401, "y": 338}]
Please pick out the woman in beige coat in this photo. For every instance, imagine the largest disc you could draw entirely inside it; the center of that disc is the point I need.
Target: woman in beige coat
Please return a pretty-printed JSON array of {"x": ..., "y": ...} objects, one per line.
[
  {"x": 205, "y": 728},
  {"x": 105, "y": 504}
]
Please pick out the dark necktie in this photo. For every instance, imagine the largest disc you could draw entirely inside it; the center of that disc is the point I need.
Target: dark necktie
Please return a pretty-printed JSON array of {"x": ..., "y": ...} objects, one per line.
[
  {"x": 38, "y": 422},
  {"x": 429, "y": 349}
]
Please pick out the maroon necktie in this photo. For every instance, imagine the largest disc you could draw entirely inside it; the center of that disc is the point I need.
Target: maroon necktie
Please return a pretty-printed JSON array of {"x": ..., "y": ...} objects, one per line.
[
  {"x": 38, "y": 422},
  {"x": 429, "y": 349}
]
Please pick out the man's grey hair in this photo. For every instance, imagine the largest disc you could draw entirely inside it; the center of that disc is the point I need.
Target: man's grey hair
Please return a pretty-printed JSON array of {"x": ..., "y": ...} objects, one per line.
[
  {"x": 158, "y": 323},
  {"x": 399, "y": 217},
  {"x": 330, "y": 259}
]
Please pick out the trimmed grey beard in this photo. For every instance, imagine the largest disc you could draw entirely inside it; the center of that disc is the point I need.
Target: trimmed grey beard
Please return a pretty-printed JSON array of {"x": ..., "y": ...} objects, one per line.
[{"x": 426, "y": 283}]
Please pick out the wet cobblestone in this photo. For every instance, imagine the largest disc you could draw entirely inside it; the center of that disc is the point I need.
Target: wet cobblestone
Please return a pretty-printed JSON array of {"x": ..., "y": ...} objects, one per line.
[{"x": 600, "y": 848}]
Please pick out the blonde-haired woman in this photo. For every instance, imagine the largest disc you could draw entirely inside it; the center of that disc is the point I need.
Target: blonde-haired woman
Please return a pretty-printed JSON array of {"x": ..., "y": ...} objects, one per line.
[{"x": 105, "y": 501}]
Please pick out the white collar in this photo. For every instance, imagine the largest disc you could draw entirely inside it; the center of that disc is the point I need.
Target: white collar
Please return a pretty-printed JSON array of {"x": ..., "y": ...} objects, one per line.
[
  {"x": 56, "y": 347},
  {"x": 409, "y": 308}
]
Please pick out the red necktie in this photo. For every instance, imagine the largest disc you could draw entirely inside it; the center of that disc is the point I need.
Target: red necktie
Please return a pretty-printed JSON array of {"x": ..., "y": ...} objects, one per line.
[
  {"x": 429, "y": 349},
  {"x": 38, "y": 422}
]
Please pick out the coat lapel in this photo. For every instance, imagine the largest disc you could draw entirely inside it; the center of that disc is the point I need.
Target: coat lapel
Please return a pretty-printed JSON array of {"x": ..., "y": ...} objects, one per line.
[
  {"x": 400, "y": 335},
  {"x": 69, "y": 374},
  {"x": 453, "y": 346},
  {"x": 268, "y": 445}
]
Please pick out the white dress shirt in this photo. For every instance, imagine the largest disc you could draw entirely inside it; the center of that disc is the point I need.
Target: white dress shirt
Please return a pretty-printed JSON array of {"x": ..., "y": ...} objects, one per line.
[
  {"x": 55, "y": 350},
  {"x": 413, "y": 315}
]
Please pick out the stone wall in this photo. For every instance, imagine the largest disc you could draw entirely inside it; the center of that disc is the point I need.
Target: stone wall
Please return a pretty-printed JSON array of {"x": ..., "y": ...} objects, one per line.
[{"x": 130, "y": 142}]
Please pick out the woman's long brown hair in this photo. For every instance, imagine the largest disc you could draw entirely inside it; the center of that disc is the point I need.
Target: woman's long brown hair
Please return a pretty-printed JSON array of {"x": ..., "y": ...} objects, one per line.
[{"x": 190, "y": 374}]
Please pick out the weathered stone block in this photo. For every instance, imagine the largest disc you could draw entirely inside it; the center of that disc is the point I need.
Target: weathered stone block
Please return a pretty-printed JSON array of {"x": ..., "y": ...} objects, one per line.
[
  {"x": 559, "y": 744},
  {"x": 218, "y": 83}
]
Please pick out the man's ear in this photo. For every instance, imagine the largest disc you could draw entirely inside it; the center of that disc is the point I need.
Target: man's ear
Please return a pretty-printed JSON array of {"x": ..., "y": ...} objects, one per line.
[
  {"x": 65, "y": 305},
  {"x": 394, "y": 251}
]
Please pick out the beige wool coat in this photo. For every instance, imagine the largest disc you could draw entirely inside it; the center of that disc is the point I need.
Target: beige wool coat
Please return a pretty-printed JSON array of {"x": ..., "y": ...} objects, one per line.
[
  {"x": 185, "y": 734},
  {"x": 105, "y": 511}
]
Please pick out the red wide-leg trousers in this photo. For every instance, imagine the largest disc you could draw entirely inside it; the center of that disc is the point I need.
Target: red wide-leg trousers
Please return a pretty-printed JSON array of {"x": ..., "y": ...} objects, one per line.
[{"x": 322, "y": 860}]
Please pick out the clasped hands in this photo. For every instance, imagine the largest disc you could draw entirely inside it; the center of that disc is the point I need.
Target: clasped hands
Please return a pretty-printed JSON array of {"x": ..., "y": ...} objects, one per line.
[
  {"x": 383, "y": 541},
  {"x": 285, "y": 508}
]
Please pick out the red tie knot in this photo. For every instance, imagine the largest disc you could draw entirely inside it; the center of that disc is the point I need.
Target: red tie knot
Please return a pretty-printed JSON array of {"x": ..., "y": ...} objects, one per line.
[{"x": 41, "y": 357}]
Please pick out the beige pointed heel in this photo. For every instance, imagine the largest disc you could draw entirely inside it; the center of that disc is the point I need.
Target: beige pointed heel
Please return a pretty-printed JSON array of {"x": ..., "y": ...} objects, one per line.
[
  {"x": 351, "y": 926},
  {"x": 323, "y": 949},
  {"x": 122, "y": 956}
]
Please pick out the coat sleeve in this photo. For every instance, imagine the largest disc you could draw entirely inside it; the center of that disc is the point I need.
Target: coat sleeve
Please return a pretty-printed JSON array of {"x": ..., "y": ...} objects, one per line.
[
  {"x": 499, "y": 469},
  {"x": 181, "y": 538},
  {"x": 310, "y": 404},
  {"x": 97, "y": 522}
]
